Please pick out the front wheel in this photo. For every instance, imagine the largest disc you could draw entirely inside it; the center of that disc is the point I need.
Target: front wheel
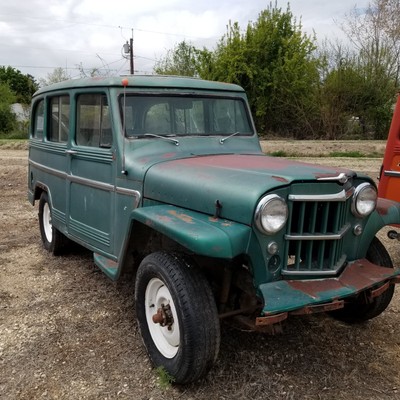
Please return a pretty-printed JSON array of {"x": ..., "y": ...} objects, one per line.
[
  {"x": 53, "y": 240},
  {"x": 358, "y": 309},
  {"x": 177, "y": 316}
]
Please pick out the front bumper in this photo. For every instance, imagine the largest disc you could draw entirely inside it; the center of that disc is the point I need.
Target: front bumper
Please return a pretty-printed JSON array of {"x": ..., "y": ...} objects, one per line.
[{"x": 285, "y": 297}]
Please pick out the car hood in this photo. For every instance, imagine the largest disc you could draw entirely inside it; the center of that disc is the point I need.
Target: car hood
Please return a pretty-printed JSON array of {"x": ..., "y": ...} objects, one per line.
[{"x": 236, "y": 181}]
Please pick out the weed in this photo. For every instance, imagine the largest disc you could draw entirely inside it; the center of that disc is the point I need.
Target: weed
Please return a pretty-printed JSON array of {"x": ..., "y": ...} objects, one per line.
[
  {"x": 279, "y": 153},
  {"x": 164, "y": 378}
]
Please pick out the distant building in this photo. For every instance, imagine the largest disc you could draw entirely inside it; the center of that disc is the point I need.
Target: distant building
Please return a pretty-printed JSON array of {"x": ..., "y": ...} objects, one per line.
[{"x": 21, "y": 112}]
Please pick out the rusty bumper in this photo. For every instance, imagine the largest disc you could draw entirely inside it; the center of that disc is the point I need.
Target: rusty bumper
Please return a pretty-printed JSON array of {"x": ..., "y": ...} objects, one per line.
[{"x": 285, "y": 297}]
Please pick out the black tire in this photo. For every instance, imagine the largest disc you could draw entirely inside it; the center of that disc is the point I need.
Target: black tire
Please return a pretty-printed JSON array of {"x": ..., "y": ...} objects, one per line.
[
  {"x": 358, "y": 310},
  {"x": 190, "y": 346},
  {"x": 53, "y": 240}
]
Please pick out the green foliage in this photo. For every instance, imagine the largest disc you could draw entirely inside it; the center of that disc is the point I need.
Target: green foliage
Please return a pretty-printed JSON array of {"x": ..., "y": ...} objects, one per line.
[
  {"x": 182, "y": 60},
  {"x": 279, "y": 153},
  {"x": 7, "y": 117},
  {"x": 22, "y": 85},
  {"x": 275, "y": 63},
  {"x": 164, "y": 378},
  {"x": 355, "y": 88}
]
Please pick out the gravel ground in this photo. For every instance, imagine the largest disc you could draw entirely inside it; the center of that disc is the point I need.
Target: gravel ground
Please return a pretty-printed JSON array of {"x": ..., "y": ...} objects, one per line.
[{"x": 67, "y": 332}]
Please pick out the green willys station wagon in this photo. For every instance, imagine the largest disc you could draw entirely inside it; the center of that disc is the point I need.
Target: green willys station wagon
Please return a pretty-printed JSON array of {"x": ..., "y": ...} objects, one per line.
[{"x": 164, "y": 177}]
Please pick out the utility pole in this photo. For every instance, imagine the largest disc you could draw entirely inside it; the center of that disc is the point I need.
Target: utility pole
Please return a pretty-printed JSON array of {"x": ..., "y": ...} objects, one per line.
[
  {"x": 128, "y": 49},
  {"x": 131, "y": 54}
]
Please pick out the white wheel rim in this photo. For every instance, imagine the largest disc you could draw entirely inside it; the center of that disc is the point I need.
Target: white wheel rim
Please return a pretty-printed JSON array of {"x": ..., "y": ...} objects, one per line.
[
  {"x": 47, "y": 227},
  {"x": 166, "y": 339}
]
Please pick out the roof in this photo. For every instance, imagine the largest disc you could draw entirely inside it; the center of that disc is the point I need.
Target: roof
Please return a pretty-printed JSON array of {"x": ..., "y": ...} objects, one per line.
[{"x": 143, "y": 81}]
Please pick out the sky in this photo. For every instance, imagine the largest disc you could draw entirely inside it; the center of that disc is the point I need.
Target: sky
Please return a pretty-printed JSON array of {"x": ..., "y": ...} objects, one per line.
[{"x": 37, "y": 36}]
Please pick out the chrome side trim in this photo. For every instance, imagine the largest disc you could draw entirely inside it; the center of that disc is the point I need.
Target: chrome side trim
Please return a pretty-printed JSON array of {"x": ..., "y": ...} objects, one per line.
[
  {"x": 52, "y": 171},
  {"x": 89, "y": 182},
  {"x": 310, "y": 236},
  {"x": 130, "y": 192},
  {"x": 341, "y": 196}
]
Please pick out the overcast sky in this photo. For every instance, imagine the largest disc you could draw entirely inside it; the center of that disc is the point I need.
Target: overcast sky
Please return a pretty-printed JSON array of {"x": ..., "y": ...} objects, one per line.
[{"x": 37, "y": 36}]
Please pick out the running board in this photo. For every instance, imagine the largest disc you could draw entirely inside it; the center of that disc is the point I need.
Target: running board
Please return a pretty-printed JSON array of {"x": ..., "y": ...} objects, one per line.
[{"x": 109, "y": 267}]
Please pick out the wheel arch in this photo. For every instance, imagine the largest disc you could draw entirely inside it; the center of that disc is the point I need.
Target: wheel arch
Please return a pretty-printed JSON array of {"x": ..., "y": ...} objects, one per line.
[
  {"x": 199, "y": 233},
  {"x": 38, "y": 190},
  {"x": 173, "y": 229},
  {"x": 387, "y": 213}
]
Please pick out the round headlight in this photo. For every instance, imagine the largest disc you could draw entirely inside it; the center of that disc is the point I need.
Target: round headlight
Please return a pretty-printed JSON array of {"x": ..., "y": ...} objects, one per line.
[
  {"x": 271, "y": 214},
  {"x": 364, "y": 200}
]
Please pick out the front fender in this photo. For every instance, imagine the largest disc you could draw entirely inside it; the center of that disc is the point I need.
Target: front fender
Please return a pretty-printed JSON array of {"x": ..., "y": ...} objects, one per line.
[
  {"x": 387, "y": 213},
  {"x": 201, "y": 234}
]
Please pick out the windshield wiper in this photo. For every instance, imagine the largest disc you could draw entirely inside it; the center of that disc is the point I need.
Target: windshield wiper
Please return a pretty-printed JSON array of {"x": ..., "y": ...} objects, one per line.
[
  {"x": 176, "y": 141},
  {"x": 222, "y": 140}
]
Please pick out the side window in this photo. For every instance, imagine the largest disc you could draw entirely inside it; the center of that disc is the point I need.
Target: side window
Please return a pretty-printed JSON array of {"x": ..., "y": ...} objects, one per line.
[
  {"x": 59, "y": 119},
  {"x": 38, "y": 120},
  {"x": 93, "y": 121}
]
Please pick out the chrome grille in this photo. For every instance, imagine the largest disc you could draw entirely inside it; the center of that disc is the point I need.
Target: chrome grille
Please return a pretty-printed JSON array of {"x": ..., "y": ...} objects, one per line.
[{"x": 315, "y": 231}]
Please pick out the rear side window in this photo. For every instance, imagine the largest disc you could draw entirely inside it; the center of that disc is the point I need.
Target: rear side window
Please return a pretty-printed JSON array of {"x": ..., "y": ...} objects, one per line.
[
  {"x": 59, "y": 119},
  {"x": 93, "y": 121},
  {"x": 38, "y": 120}
]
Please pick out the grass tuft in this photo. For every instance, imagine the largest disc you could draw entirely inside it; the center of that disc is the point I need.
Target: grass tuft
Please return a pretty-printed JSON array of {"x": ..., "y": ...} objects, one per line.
[{"x": 164, "y": 378}]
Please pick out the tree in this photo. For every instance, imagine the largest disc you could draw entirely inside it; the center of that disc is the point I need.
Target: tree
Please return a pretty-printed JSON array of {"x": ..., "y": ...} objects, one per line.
[
  {"x": 275, "y": 63},
  {"x": 362, "y": 82},
  {"x": 375, "y": 34},
  {"x": 58, "y": 75},
  {"x": 181, "y": 60},
  {"x": 22, "y": 85},
  {"x": 7, "y": 117}
]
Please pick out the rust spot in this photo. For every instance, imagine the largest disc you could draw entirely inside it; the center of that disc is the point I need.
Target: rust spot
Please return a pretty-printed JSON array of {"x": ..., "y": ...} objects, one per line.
[
  {"x": 271, "y": 319},
  {"x": 317, "y": 308},
  {"x": 226, "y": 223},
  {"x": 223, "y": 223},
  {"x": 164, "y": 218},
  {"x": 183, "y": 217},
  {"x": 279, "y": 179},
  {"x": 169, "y": 155}
]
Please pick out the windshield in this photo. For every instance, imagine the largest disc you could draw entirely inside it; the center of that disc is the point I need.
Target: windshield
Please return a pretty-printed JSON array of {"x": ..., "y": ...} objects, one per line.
[{"x": 184, "y": 116}]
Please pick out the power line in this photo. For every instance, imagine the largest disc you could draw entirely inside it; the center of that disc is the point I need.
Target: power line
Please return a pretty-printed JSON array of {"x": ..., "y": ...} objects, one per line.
[{"x": 105, "y": 26}]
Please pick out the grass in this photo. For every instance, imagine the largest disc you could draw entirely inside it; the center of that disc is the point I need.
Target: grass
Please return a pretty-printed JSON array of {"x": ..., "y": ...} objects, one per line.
[
  {"x": 164, "y": 378},
  {"x": 333, "y": 154},
  {"x": 14, "y": 144},
  {"x": 353, "y": 154}
]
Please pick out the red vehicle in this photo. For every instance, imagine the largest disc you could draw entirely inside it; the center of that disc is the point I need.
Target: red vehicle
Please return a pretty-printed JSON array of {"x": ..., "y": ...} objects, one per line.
[{"x": 389, "y": 176}]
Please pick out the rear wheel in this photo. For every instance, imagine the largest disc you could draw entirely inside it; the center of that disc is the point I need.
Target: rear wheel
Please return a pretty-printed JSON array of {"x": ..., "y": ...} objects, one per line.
[
  {"x": 177, "y": 316},
  {"x": 53, "y": 240},
  {"x": 359, "y": 309}
]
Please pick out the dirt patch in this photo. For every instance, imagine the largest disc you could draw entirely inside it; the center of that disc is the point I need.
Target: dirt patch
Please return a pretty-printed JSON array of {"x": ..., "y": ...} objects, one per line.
[{"x": 67, "y": 332}]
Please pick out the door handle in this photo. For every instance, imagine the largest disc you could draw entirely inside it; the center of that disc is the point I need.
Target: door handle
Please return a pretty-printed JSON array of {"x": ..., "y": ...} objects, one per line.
[{"x": 71, "y": 152}]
